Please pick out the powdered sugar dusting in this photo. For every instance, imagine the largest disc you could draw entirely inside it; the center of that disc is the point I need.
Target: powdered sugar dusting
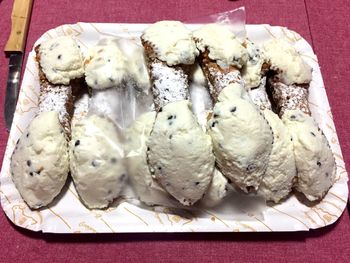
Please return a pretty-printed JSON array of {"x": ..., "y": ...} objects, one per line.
[
  {"x": 81, "y": 105},
  {"x": 55, "y": 98},
  {"x": 170, "y": 84},
  {"x": 259, "y": 95},
  {"x": 222, "y": 79},
  {"x": 290, "y": 97}
]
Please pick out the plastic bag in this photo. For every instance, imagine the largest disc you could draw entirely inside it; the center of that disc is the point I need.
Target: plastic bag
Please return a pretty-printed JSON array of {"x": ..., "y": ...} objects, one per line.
[
  {"x": 148, "y": 190},
  {"x": 101, "y": 143},
  {"x": 235, "y": 19}
]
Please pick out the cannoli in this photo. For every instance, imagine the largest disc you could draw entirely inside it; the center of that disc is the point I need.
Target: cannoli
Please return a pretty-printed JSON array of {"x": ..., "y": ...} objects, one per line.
[
  {"x": 109, "y": 66},
  {"x": 259, "y": 96},
  {"x": 147, "y": 189},
  {"x": 289, "y": 77},
  {"x": 97, "y": 161},
  {"x": 169, "y": 47},
  {"x": 221, "y": 57},
  {"x": 289, "y": 97},
  {"x": 40, "y": 162},
  {"x": 289, "y": 81},
  {"x": 119, "y": 82},
  {"x": 314, "y": 159},
  {"x": 242, "y": 138},
  {"x": 253, "y": 73},
  {"x": 96, "y": 150},
  {"x": 281, "y": 171},
  {"x": 179, "y": 153},
  {"x": 278, "y": 179},
  {"x": 202, "y": 107},
  {"x": 241, "y": 152},
  {"x": 60, "y": 62}
]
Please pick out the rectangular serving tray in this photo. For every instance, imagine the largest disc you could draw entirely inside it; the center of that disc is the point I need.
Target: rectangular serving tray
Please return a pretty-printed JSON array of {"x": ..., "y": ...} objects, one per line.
[{"x": 68, "y": 215}]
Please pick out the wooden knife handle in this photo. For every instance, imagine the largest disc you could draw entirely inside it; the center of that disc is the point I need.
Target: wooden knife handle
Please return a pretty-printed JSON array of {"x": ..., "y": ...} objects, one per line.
[{"x": 20, "y": 18}]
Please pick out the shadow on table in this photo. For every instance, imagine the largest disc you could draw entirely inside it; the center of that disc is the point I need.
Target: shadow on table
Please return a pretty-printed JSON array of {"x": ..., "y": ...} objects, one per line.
[{"x": 225, "y": 236}]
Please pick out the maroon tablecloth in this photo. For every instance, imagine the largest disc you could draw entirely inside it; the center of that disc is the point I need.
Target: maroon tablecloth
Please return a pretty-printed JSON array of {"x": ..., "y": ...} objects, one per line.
[{"x": 323, "y": 23}]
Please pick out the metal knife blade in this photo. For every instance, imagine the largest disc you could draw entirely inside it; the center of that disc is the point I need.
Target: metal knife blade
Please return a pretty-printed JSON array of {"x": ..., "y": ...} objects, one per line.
[
  {"x": 15, "y": 47},
  {"x": 12, "y": 87}
]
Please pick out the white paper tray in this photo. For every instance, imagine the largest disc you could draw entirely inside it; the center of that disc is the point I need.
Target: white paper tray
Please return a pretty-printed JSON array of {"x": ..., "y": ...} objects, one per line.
[{"x": 68, "y": 215}]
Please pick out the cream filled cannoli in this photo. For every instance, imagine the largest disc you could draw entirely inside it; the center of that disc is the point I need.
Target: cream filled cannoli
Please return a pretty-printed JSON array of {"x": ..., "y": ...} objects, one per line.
[
  {"x": 169, "y": 47},
  {"x": 242, "y": 138},
  {"x": 289, "y": 76},
  {"x": 110, "y": 64},
  {"x": 60, "y": 62},
  {"x": 289, "y": 81},
  {"x": 253, "y": 73},
  {"x": 314, "y": 159},
  {"x": 117, "y": 74},
  {"x": 97, "y": 161},
  {"x": 97, "y": 157},
  {"x": 241, "y": 156},
  {"x": 147, "y": 189},
  {"x": 179, "y": 154},
  {"x": 281, "y": 171},
  {"x": 40, "y": 163},
  {"x": 202, "y": 108},
  {"x": 278, "y": 178},
  {"x": 221, "y": 57}
]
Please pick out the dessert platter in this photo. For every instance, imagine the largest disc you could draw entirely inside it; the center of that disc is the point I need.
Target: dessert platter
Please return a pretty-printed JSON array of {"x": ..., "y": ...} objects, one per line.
[{"x": 172, "y": 127}]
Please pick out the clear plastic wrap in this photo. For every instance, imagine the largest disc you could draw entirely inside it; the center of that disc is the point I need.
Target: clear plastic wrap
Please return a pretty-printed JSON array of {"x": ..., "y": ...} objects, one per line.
[
  {"x": 235, "y": 19},
  {"x": 149, "y": 191},
  {"x": 116, "y": 101},
  {"x": 129, "y": 106}
]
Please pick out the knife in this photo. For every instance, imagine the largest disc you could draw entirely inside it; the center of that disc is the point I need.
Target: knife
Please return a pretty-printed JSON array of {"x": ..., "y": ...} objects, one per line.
[{"x": 14, "y": 48}]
